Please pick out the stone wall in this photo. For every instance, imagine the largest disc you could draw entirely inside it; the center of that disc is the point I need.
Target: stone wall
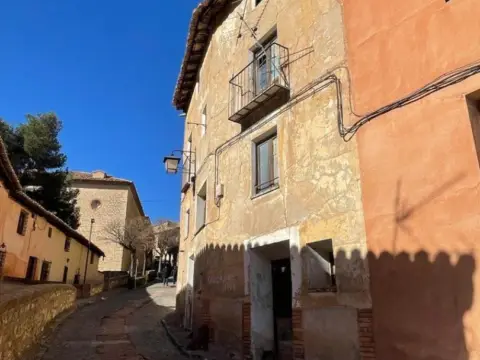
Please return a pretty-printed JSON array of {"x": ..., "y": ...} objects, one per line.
[
  {"x": 113, "y": 207},
  {"x": 88, "y": 290},
  {"x": 25, "y": 314},
  {"x": 115, "y": 281}
]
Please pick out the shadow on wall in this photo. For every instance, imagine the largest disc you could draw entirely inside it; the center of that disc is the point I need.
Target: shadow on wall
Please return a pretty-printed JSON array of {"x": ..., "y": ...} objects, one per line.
[{"x": 419, "y": 302}]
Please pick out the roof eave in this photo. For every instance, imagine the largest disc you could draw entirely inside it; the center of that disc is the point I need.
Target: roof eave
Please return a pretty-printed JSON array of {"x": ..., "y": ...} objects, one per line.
[{"x": 197, "y": 42}]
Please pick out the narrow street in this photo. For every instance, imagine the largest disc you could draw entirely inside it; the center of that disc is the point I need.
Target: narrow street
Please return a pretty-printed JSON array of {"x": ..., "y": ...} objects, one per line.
[{"x": 124, "y": 326}]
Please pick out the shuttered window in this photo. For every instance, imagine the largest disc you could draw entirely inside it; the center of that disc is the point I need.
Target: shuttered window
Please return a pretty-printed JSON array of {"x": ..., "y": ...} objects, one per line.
[{"x": 22, "y": 223}]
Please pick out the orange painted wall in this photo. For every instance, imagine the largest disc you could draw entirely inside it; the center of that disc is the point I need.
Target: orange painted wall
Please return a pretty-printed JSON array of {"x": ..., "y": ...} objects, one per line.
[
  {"x": 420, "y": 174},
  {"x": 36, "y": 243}
]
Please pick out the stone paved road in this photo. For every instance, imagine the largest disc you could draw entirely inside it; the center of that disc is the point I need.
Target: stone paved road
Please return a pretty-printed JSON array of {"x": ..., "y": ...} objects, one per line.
[{"x": 125, "y": 326}]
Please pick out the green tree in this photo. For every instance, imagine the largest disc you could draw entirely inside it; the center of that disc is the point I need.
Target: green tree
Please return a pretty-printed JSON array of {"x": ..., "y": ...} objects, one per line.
[{"x": 35, "y": 153}]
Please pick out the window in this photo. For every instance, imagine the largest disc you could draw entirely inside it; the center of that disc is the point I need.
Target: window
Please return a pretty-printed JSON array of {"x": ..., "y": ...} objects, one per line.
[
  {"x": 266, "y": 167},
  {"x": 49, "y": 232},
  {"x": 267, "y": 65},
  {"x": 67, "y": 244},
  {"x": 201, "y": 207},
  {"x": 95, "y": 204},
  {"x": 204, "y": 120},
  {"x": 186, "y": 223},
  {"x": 320, "y": 266},
  {"x": 92, "y": 258},
  {"x": 45, "y": 272},
  {"x": 257, "y": 2},
  {"x": 22, "y": 223},
  {"x": 31, "y": 268}
]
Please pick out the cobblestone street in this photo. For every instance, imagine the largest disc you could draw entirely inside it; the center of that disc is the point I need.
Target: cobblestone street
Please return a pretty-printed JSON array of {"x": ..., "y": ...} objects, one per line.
[{"x": 124, "y": 326}]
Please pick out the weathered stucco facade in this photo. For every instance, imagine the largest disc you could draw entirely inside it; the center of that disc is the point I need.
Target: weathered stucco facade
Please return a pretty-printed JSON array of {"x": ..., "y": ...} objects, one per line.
[
  {"x": 37, "y": 250},
  {"x": 107, "y": 200},
  {"x": 225, "y": 268},
  {"x": 420, "y": 173}
]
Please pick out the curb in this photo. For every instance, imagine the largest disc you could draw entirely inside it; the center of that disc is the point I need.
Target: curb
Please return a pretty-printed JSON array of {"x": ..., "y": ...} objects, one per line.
[{"x": 179, "y": 346}]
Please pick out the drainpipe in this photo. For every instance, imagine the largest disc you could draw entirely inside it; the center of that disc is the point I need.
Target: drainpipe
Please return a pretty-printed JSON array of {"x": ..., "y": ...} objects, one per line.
[{"x": 92, "y": 221}]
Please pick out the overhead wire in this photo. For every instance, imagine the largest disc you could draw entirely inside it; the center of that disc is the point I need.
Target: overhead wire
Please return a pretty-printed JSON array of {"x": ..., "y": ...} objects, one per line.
[{"x": 441, "y": 82}]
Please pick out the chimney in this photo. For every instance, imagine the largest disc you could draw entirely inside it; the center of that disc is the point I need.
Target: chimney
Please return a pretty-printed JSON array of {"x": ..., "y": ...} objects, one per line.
[{"x": 99, "y": 174}]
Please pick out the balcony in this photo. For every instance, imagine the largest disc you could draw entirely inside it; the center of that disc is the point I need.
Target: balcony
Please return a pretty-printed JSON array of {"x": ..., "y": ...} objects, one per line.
[{"x": 263, "y": 84}]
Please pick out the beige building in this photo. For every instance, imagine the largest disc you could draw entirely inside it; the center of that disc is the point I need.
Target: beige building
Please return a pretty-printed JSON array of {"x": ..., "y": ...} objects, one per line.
[
  {"x": 107, "y": 200},
  {"x": 39, "y": 246},
  {"x": 272, "y": 247}
]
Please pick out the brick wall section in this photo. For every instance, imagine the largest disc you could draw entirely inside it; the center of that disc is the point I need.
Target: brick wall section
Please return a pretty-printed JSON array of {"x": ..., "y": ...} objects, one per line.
[
  {"x": 297, "y": 327},
  {"x": 26, "y": 313},
  {"x": 365, "y": 334},
  {"x": 206, "y": 319},
  {"x": 246, "y": 326}
]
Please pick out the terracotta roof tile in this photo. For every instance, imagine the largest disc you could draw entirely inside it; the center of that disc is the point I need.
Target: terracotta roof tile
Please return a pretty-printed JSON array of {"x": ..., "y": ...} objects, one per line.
[{"x": 84, "y": 176}]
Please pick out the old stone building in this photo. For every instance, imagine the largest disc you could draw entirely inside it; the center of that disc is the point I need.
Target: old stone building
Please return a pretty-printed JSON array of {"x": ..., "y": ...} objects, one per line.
[
  {"x": 415, "y": 79},
  {"x": 272, "y": 248},
  {"x": 107, "y": 200}
]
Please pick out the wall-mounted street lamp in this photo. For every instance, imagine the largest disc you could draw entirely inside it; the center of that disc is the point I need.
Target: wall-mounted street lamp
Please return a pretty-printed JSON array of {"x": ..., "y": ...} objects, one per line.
[{"x": 172, "y": 162}]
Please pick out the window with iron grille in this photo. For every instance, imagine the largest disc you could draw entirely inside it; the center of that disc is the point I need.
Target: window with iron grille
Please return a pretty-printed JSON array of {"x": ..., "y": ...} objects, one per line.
[
  {"x": 67, "y": 244},
  {"x": 45, "y": 273},
  {"x": 266, "y": 164},
  {"x": 22, "y": 223}
]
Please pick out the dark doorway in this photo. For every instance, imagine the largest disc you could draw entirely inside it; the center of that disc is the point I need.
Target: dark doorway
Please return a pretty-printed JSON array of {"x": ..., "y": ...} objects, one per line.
[
  {"x": 31, "y": 268},
  {"x": 65, "y": 274},
  {"x": 282, "y": 308}
]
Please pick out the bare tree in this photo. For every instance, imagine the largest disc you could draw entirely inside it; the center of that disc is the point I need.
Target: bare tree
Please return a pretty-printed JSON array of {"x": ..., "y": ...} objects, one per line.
[
  {"x": 167, "y": 235},
  {"x": 136, "y": 235}
]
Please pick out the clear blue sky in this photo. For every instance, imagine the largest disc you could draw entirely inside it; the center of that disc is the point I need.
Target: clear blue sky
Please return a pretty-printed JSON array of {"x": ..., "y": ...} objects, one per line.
[{"x": 108, "y": 69}]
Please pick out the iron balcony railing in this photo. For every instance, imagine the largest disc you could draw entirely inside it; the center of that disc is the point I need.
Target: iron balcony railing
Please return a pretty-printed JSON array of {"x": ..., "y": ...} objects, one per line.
[{"x": 260, "y": 80}]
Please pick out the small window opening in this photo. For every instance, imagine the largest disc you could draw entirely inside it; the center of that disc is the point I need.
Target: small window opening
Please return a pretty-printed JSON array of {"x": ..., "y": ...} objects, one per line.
[
  {"x": 22, "y": 223},
  {"x": 320, "y": 266},
  {"x": 67, "y": 244}
]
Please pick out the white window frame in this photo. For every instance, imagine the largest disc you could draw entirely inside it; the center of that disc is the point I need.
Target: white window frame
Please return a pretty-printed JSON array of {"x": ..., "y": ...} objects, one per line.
[{"x": 276, "y": 180}]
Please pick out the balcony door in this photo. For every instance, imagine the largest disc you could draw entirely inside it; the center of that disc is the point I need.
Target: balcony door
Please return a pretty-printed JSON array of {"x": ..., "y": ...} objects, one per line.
[{"x": 267, "y": 65}]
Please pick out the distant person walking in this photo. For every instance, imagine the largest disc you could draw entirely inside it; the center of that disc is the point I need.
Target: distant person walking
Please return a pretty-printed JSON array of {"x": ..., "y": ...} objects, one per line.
[
  {"x": 174, "y": 274},
  {"x": 165, "y": 275}
]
